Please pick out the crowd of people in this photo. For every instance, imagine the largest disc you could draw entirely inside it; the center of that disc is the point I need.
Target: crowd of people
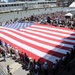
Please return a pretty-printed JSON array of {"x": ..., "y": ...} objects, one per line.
[
  {"x": 56, "y": 19},
  {"x": 34, "y": 67},
  {"x": 37, "y": 67}
]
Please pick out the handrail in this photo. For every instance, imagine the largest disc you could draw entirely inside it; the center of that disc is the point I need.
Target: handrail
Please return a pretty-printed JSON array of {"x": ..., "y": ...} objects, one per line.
[
  {"x": 69, "y": 65},
  {"x": 2, "y": 71}
]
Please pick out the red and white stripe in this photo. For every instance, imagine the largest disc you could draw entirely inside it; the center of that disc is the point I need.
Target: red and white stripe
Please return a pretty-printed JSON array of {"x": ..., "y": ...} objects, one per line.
[{"x": 40, "y": 41}]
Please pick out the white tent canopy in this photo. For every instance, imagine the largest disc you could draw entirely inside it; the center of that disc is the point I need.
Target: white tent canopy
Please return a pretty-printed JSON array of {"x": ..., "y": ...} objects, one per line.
[
  {"x": 69, "y": 15},
  {"x": 72, "y": 5}
]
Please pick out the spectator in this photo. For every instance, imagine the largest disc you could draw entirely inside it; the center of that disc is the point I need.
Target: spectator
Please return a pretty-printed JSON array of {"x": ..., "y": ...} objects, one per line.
[
  {"x": 45, "y": 67},
  {"x": 8, "y": 69},
  {"x": 39, "y": 67},
  {"x": 54, "y": 69},
  {"x": 0, "y": 42},
  {"x": 4, "y": 55},
  {"x": 66, "y": 58},
  {"x": 30, "y": 67}
]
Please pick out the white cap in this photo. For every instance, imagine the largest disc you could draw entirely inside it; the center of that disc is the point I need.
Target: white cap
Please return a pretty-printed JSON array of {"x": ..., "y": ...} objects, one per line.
[
  {"x": 45, "y": 62},
  {"x": 8, "y": 44},
  {"x": 30, "y": 58}
]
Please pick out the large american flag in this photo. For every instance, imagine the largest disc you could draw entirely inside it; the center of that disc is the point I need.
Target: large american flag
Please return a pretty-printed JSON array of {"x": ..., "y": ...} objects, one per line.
[{"x": 44, "y": 42}]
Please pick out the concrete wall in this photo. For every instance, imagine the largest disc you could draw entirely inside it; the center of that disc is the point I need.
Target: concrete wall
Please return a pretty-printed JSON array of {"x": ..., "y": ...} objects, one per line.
[{"x": 21, "y": 14}]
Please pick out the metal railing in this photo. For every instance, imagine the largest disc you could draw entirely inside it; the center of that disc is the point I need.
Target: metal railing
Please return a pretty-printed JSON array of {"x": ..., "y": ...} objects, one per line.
[
  {"x": 2, "y": 71},
  {"x": 69, "y": 66}
]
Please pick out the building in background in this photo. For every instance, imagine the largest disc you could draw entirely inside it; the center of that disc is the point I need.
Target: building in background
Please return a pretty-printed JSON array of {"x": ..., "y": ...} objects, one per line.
[
  {"x": 64, "y": 3},
  {"x": 35, "y": 0},
  {"x": 11, "y": 0},
  {"x": 30, "y": 0},
  {"x": 3, "y": 1},
  {"x": 26, "y": 0}
]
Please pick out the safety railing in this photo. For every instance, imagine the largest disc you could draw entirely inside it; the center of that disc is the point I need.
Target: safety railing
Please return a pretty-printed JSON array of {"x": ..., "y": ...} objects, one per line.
[{"x": 2, "y": 71}]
